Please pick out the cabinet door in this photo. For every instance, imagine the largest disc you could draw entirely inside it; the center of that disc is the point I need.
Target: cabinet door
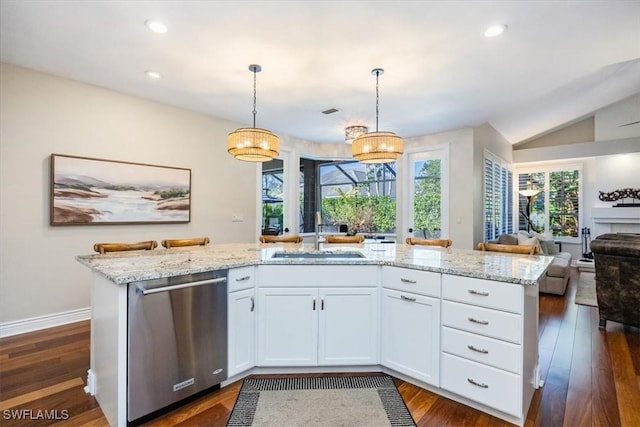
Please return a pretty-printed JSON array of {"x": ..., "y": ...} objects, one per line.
[
  {"x": 288, "y": 327},
  {"x": 410, "y": 334},
  {"x": 348, "y": 329},
  {"x": 242, "y": 331}
]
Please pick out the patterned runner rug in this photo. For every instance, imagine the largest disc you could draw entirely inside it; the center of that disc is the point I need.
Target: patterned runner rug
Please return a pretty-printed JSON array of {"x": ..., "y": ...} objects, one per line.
[
  {"x": 586, "y": 292},
  {"x": 320, "y": 401}
]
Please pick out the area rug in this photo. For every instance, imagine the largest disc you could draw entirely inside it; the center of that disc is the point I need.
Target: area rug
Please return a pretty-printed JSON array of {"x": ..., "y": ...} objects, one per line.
[
  {"x": 586, "y": 292},
  {"x": 320, "y": 401}
]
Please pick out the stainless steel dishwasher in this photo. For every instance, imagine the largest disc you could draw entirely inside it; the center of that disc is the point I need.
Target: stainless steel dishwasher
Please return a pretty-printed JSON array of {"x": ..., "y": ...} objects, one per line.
[{"x": 177, "y": 339}]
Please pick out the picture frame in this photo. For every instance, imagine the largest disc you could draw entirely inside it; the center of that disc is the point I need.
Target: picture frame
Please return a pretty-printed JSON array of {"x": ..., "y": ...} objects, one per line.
[{"x": 90, "y": 191}]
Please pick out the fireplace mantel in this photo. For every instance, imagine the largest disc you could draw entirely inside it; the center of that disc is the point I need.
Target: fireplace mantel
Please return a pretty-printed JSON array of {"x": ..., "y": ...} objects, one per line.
[{"x": 611, "y": 220}]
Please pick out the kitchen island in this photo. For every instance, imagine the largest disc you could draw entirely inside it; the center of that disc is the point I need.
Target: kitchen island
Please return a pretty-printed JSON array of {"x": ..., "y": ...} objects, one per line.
[{"x": 457, "y": 322}]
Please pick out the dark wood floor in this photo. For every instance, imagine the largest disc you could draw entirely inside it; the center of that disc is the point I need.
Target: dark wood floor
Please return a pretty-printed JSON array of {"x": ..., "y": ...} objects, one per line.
[{"x": 592, "y": 378}]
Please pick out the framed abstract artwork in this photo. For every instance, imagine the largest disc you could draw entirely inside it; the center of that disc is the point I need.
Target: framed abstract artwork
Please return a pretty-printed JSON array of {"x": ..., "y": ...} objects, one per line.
[{"x": 88, "y": 191}]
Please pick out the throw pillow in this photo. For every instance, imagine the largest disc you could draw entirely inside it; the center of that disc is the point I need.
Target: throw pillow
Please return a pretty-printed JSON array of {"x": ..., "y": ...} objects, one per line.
[
  {"x": 546, "y": 243},
  {"x": 507, "y": 239},
  {"x": 547, "y": 235},
  {"x": 549, "y": 247},
  {"x": 529, "y": 241}
]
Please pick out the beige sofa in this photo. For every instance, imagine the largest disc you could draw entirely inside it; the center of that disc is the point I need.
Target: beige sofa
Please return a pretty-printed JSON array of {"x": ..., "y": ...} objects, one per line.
[{"x": 557, "y": 276}]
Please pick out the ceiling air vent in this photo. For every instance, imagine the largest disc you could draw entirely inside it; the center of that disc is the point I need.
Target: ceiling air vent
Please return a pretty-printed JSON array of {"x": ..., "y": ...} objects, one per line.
[{"x": 330, "y": 111}]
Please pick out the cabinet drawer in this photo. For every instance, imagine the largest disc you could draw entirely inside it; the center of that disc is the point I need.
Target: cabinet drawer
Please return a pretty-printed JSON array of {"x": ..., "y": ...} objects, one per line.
[
  {"x": 489, "y": 351},
  {"x": 408, "y": 280},
  {"x": 302, "y": 276},
  {"x": 485, "y": 293},
  {"x": 241, "y": 278},
  {"x": 483, "y": 321},
  {"x": 490, "y": 386}
]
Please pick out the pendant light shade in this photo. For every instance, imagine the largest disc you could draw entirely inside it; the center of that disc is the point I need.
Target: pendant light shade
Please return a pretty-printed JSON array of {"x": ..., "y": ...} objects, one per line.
[
  {"x": 377, "y": 147},
  {"x": 253, "y": 144}
]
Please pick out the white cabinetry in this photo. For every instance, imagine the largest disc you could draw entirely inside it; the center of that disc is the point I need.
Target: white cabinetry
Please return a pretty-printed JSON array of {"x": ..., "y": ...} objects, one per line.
[
  {"x": 288, "y": 327},
  {"x": 410, "y": 330},
  {"x": 241, "y": 319},
  {"x": 348, "y": 326},
  {"x": 489, "y": 351},
  {"x": 303, "y": 323}
]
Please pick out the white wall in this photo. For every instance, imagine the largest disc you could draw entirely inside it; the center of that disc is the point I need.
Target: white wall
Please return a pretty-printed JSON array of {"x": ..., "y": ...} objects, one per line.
[
  {"x": 41, "y": 114},
  {"x": 485, "y": 137},
  {"x": 609, "y": 121},
  {"x": 612, "y": 173},
  {"x": 609, "y": 163},
  {"x": 461, "y": 181}
]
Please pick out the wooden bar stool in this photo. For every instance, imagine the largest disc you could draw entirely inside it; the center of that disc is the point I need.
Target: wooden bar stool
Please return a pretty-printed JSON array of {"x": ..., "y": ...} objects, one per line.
[
  {"x": 445, "y": 243},
  {"x": 196, "y": 241},
  {"x": 147, "y": 245},
  {"x": 511, "y": 249},
  {"x": 345, "y": 239},
  {"x": 281, "y": 239}
]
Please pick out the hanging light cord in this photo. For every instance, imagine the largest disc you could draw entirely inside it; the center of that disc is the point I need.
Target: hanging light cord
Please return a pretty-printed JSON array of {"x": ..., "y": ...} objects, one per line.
[
  {"x": 377, "y": 98},
  {"x": 254, "y": 97}
]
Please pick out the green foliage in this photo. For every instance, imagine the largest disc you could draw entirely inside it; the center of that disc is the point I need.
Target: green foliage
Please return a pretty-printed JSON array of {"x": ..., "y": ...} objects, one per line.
[
  {"x": 272, "y": 210},
  {"x": 428, "y": 199},
  {"x": 171, "y": 193},
  {"x": 362, "y": 214},
  {"x": 563, "y": 203},
  {"x": 121, "y": 188},
  {"x": 563, "y": 196}
]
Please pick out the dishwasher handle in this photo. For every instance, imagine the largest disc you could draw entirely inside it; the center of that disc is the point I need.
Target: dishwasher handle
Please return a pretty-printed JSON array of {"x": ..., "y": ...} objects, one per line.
[{"x": 146, "y": 291}]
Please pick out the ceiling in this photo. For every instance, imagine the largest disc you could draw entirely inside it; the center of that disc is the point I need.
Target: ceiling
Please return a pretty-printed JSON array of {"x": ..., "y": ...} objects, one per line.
[{"x": 558, "y": 62}]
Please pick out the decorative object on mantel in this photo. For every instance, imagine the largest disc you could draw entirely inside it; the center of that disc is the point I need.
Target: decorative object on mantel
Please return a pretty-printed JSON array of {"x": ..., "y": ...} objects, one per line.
[
  {"x": 88, "y": 191},
  {"x": 253, "y": 144},
  {"x": 377, "y": 147},
  {"x": 622, "y": 193}
]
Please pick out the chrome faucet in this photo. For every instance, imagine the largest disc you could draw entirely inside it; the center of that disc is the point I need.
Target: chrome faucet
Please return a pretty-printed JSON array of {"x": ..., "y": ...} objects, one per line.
[{"x": 318, "y": 222}]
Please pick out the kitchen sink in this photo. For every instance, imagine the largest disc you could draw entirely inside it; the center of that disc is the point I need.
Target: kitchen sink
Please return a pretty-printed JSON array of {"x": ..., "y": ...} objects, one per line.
[{"x": 318, "y": 255}]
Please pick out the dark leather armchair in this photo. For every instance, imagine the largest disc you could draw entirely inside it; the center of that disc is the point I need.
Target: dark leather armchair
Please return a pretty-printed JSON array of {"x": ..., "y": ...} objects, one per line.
[{"x": 617, "y": 263}]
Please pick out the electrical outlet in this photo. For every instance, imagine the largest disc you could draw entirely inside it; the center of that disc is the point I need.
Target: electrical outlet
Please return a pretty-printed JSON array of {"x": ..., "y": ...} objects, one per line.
[{"x": 236, "y": 217}]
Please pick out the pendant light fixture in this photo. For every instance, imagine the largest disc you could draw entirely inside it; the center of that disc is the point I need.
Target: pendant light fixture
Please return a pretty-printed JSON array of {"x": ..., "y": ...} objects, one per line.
[
  {"x": 253, "y": 144},
  {"x": 377, "y": 147},
  {"x": 352, "y": 132}
]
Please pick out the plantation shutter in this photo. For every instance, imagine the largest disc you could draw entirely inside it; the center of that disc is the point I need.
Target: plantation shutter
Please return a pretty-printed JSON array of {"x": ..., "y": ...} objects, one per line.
[{"x": 498, "y": 197}]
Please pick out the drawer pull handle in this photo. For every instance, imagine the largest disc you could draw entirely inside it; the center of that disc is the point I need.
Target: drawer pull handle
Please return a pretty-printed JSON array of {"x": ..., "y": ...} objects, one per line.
[
  {"x": 242, "y": 279},
  {"x": 477, "y": 383},
  {"x": 479, "y": 293},
  {"x": 407, "y": 298},
  {"x": 403, "y": 280},
  {"x": 480, "y": 322},
  {"x": 479, "y": 350}
]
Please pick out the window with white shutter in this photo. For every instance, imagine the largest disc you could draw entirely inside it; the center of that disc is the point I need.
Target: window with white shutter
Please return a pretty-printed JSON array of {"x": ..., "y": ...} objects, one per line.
[{"x": 498, "y": 197}]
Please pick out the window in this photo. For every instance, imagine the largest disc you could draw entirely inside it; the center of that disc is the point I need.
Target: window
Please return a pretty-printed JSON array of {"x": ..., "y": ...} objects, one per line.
[
  {"x": 498, "y": 197},
  {"x": 557, "y": 207},
  {"x": 359, "y": 197},
  {"x": 272, "y": 197},
  {"x": 427, "y": 208},
  {"x": 308, "y": 192}
]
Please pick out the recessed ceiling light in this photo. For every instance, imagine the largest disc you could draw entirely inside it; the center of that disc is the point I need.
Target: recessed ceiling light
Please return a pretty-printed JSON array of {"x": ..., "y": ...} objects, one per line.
[
  {"x": 152, "y": 74},
  {"x": 495, "y": 30},
  {"x": 155, "y": 26}
]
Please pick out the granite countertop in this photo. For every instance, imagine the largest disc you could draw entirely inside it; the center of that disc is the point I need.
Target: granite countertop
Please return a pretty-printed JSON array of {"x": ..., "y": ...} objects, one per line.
[{"x": 125, "y": 267}]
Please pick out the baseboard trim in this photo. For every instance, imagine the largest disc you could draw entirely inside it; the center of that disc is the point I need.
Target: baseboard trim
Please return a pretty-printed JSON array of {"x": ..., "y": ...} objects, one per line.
[{"x": 42, "y": 322}]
